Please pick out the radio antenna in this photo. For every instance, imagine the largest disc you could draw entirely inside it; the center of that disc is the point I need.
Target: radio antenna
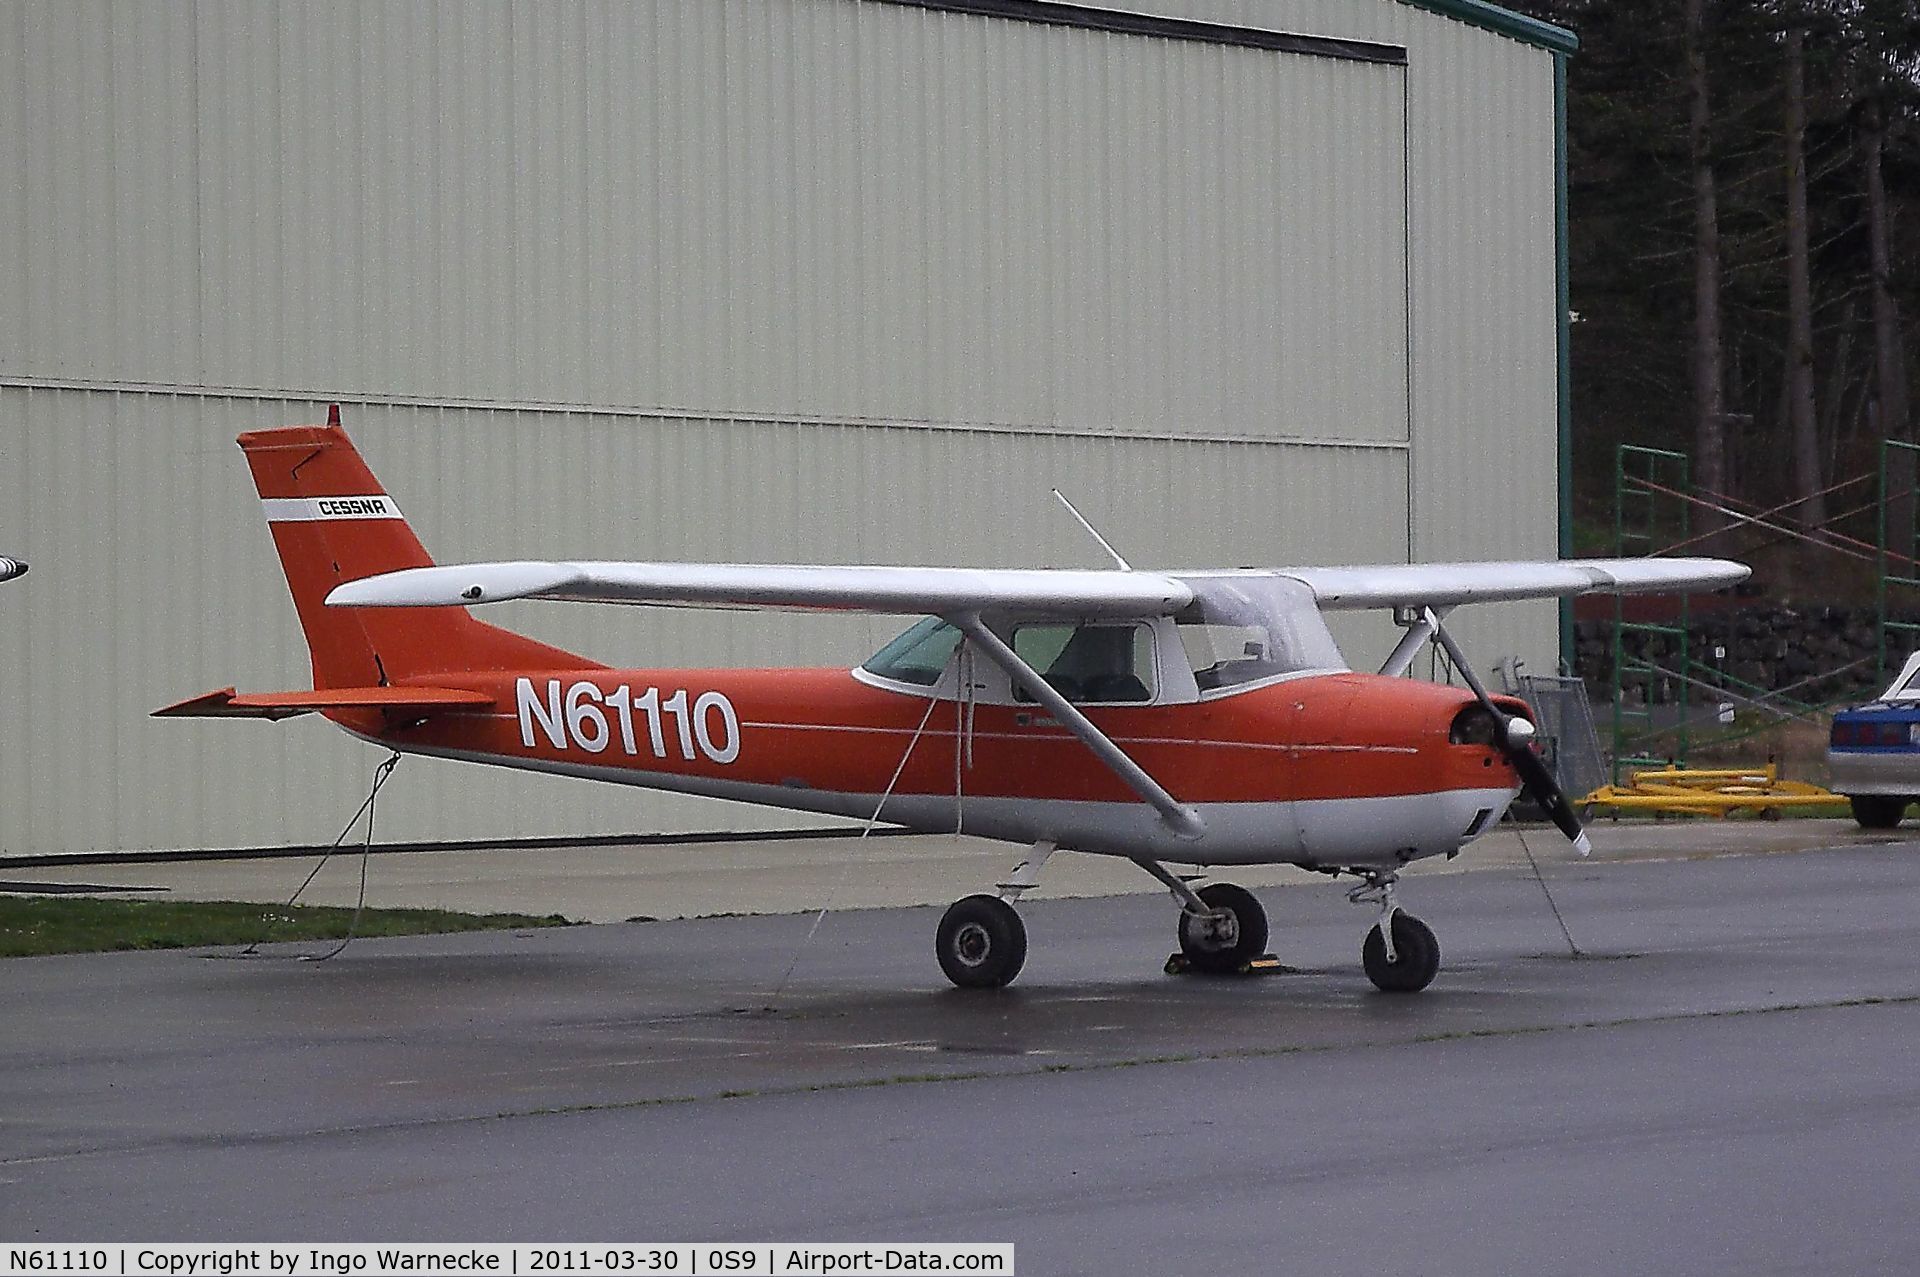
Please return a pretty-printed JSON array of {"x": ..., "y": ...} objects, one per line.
[{"x": 1093, "y": 532}]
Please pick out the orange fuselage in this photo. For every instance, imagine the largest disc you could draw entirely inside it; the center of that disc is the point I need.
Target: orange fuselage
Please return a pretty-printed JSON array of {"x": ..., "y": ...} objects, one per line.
[{"x": 824, "y": 740}]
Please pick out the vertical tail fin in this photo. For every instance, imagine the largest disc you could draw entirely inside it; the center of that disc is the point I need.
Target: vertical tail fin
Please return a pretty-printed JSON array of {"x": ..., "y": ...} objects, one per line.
[{"x": 332, "y": 522}]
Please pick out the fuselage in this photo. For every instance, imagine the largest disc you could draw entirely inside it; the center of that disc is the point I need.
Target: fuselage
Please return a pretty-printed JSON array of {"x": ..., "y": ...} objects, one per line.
[{"x": 1334, "y": 769}]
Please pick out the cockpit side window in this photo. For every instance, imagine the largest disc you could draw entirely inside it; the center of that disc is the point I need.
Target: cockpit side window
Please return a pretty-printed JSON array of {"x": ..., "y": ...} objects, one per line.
[
  {"x": 1244, "y": 629},
  {"x": 919, "y": 656},
  {"x": 1099, "y": 663}
]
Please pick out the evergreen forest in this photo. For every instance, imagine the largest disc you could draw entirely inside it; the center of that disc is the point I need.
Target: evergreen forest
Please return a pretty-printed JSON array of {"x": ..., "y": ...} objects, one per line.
[{"x": 1744, "y": 202}]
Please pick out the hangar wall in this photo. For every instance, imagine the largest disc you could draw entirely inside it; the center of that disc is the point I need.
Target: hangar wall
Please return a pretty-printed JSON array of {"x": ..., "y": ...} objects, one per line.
[
  {"x": 1481, "y": 172},
  {"x": 732, "y": 279}
]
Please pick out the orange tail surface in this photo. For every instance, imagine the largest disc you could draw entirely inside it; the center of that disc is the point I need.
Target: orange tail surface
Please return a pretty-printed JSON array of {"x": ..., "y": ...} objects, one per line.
[{"x": 332, "y": 522}]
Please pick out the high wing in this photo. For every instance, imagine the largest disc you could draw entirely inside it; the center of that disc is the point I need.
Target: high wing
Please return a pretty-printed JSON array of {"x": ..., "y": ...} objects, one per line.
[
  {"x": 959, "y": 591},
  {"x": 793, "y": 587},
  {"x": 963, "y": 596},
  {"x": 1450, "y": 584}
]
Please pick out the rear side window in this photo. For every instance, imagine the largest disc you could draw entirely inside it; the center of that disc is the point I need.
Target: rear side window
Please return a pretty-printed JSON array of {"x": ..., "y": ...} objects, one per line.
[{"x": 1103, "y": 663}]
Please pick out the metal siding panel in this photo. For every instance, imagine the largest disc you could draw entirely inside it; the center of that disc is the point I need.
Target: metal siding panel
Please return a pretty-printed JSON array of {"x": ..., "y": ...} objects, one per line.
[
  {"x": 49, "y": 78},
  {"x": 240, "y": 254},
  {"x": 432, "y": 202},
  {"x": 1485, "y": 390},
  {"x": 16, "y": 161},
  {"x": 145, "y": 216},
  {"x": 1483, "y": 324}
]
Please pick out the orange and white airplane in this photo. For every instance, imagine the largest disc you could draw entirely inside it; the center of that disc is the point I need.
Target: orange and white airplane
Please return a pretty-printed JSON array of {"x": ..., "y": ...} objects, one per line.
[{"x": 1200, "y": 718}]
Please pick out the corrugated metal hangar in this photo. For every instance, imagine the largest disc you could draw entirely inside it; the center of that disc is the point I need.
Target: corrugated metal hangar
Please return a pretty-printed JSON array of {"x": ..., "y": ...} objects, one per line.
[{"x": 1255, "y": 281}]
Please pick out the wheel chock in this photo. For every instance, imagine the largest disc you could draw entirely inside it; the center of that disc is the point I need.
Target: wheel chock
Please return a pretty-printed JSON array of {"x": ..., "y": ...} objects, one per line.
[{"x": 1265, "y": 964}]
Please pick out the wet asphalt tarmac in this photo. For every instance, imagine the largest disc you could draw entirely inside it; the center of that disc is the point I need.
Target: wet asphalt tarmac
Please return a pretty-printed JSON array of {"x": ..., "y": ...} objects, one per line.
[{"x": 1729, "y": 1078}]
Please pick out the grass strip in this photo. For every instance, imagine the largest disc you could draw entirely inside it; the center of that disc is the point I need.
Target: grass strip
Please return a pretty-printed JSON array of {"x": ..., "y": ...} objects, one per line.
[{"x": 35, "y": 925}]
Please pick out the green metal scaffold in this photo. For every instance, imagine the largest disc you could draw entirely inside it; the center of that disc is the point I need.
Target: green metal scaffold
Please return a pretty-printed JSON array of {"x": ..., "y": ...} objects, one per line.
[{"x": 1643, "y": 524}]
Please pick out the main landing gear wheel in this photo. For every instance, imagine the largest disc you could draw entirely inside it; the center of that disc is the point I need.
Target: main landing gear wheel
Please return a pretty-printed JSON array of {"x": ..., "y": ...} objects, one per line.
[
  {"x": 1876, "y": 811},
  {"x": 1234, "y": 934},
  {"x": 1416, "y": 956},
  {"x": 982, "y": 943}
]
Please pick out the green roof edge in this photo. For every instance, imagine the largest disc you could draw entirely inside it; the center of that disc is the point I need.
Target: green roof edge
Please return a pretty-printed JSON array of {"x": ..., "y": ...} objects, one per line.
[{"x": 1505, "y": 21}]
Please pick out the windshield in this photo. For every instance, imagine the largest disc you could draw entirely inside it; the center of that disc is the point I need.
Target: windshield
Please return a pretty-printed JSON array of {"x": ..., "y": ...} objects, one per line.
[
  {"x": 918, "y": 656},
  {"x": 1906, "y": 684},
  {"x": 1243, "y": 628}
]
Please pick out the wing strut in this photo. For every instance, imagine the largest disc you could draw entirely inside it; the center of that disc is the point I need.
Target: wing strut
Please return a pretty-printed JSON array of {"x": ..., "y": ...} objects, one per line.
[
  {"x": 1183, "y": 820},
  {"x": 1423, "y": 625}
]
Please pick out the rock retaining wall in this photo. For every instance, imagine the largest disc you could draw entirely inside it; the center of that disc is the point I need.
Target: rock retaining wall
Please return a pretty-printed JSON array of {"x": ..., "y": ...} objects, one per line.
[{"x": 1812, "y": 654}]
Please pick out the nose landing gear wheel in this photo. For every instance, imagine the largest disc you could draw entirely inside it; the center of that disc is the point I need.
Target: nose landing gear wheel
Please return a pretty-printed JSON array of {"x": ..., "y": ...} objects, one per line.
[
  {"x": 1233, "y": 936},
  {"x": 1416, "y": 956},
  {"x": 981, "y": 943}
]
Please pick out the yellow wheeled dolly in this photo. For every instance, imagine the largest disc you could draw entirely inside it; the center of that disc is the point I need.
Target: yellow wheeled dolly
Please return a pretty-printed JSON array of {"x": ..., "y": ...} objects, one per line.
[{"x": 1711, "y": 791}]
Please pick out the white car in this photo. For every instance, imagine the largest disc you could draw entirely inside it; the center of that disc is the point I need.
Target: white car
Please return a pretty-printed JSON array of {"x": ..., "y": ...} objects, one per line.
[{"x": 1873, "y": 751}]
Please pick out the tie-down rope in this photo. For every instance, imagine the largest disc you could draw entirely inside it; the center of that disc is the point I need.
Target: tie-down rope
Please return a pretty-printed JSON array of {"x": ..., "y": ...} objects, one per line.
[
  {"x": 380, "y": 775},
  {"x": 933, "y": 702}
]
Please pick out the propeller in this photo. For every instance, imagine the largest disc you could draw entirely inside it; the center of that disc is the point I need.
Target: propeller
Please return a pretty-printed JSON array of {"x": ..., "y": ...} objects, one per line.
[
  {"x": 1538, "y": 782},
  {"x": 1515, "y": 740},
  {"x": 10, "y": 568}
]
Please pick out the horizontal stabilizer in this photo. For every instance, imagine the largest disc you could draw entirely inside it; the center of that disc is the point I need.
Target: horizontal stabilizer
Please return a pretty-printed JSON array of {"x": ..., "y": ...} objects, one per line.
[{"x": 226, "y": 703}]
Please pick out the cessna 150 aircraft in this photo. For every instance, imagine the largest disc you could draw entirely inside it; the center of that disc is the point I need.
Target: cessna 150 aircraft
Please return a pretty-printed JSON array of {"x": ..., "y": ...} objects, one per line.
[{"x": 1199, "y": 718}]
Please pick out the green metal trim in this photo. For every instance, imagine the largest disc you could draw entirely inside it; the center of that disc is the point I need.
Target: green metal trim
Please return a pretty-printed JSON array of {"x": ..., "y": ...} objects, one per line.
[
  {"x": 1492, "y": 17},
  {"x": 1563, "y": 344}
]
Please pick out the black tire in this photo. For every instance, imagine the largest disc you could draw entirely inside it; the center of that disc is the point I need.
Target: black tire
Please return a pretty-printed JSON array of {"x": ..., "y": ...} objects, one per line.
[
  {"x": 1877, "y": 811},
  {"x": 981, "y": 944},
  {"x": 1247, "y": 938},
  {"x": 1416, "y": 956}
]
